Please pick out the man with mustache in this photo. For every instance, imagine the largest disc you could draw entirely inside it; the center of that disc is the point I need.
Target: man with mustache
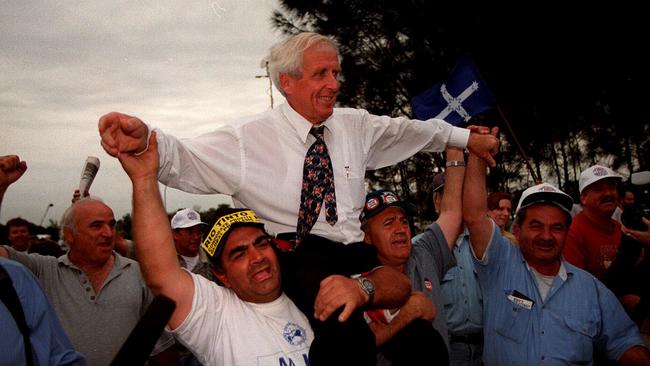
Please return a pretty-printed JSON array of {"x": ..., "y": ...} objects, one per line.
[
  {"x": 594, "y": 236},
  {"x": 540, "y": 309}
]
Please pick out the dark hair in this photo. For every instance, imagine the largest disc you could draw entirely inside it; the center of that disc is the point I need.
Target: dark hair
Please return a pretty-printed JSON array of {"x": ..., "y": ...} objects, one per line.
[
  {"x": 622, "y": 188},
  {"x": 495, "y": 197},
  {"x": 521, "y": 214},
  {"x": 18, "y": 222}
]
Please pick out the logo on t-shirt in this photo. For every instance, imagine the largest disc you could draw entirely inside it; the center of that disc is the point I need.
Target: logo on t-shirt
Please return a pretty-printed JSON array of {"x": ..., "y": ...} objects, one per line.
[{"x": 294, "y": 334}]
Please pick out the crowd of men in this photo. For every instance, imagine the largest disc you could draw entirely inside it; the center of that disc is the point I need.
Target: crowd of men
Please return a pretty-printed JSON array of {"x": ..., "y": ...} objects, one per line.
[{"x": 310, "y": 269}]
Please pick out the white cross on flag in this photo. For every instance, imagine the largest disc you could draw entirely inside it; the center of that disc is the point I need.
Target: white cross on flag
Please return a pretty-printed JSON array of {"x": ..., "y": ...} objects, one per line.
[{"x": 463, "y": 95}]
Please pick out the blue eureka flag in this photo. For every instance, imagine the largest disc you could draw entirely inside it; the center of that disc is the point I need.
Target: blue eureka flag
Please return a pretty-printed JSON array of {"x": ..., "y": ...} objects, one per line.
[{"x": 463, "y": 95}]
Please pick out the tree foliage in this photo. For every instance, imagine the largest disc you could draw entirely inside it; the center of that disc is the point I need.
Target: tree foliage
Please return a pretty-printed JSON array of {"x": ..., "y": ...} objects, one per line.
[{"x": 571, "y": 82}]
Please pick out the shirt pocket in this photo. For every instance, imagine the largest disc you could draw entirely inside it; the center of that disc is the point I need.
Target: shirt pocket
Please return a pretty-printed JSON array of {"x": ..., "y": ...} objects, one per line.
[
  {"x": 447, "y": 290},
  {"x": 512, "y": 321},
  {"x": 579, "y": 339}
]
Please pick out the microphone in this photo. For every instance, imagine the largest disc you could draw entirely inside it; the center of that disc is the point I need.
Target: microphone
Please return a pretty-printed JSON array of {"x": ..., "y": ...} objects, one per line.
[
  {"x": 88, "y": 174},
  {"x": 143, "y": 337}
]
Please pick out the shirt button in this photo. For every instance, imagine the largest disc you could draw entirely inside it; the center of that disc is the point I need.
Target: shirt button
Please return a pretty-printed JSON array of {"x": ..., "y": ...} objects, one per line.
[
  {"x": 84, "y": 282},
  {"x": 92, "y": 297},
  {"x": 542, "y": 358},
  {"x": 87, "y": 289},
  {"x": 542, "y": 332}
]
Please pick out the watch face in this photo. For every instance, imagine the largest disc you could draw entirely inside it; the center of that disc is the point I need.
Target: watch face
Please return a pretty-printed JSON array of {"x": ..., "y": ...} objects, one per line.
[{"x": 368, "y": 285}]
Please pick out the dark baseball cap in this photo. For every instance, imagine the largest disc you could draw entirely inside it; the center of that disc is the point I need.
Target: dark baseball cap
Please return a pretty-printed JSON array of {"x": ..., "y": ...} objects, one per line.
[
  {"x": 226, "y": 220},
  {"x": 377, "y": 201}
]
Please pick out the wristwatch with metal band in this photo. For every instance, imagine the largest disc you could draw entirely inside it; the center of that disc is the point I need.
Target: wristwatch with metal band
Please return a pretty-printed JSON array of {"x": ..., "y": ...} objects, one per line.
[{"x": 368, "y": 286}]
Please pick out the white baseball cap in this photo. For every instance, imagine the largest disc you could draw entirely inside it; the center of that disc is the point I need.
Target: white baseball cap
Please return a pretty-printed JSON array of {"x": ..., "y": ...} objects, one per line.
[
  {"x": 186, "y": 218},
  {"x": 595, "y": 173},
  {"x": 545, "y": 193}
]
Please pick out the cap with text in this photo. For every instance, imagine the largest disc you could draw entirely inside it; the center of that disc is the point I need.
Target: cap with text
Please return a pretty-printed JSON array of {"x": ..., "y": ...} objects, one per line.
[
  {"x": 226, "y": 220},
  {"x": 545, "y": 193}
]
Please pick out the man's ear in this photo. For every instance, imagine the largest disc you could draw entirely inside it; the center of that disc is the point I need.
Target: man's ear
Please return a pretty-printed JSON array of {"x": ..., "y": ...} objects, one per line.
[
  {"x": 286, "y": 83},
  {"x": 515, "y": 230},
  {"x": 366, "y": 234},
  {"x": 68, "y": 234},
  {"x": 366, "y": 239},
  {"x": 582, "y": 198}
]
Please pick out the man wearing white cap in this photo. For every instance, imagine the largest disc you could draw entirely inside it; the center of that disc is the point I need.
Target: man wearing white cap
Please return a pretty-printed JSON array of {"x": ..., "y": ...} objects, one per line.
[
  {"x": 594, "y": 236},
  {"x": 540, "y": 309},
  {"x": 188, "y": 232}
]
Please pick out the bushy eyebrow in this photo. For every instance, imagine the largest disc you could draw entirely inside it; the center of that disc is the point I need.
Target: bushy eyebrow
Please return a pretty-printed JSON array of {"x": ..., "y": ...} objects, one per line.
[{"x": 243, "y": 246}]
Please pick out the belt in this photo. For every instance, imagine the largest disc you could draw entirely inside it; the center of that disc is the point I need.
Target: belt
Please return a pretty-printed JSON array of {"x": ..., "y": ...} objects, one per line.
[{"x": 475, "y": 338}]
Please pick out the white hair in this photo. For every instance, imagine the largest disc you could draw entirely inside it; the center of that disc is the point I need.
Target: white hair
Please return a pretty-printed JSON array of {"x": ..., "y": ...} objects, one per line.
[{"x": 286, "y": 56}]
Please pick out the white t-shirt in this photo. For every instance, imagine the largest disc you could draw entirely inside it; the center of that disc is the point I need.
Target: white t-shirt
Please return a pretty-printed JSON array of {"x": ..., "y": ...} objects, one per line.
[{"x": 222, "y": 329}]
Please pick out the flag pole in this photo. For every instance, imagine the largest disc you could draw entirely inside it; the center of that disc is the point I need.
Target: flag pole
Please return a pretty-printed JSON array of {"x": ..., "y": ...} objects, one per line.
[{"x": 521, "y": 149}]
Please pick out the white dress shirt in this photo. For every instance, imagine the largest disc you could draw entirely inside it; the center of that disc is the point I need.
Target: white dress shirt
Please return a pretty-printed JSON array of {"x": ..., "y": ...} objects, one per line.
[{"x": 259, "y": 162}]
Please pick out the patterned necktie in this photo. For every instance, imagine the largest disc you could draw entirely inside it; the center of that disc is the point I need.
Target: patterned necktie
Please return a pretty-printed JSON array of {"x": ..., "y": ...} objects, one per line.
[{"x": 317, "y": 186}]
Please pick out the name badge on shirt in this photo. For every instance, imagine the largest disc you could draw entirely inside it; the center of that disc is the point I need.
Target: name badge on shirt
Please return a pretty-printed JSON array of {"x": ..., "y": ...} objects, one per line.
[{"x": 521, "y": 300}]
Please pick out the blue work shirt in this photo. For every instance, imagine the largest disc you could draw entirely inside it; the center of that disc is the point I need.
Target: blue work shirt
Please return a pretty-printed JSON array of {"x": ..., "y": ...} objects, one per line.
[
  {"x": 461, "y": 291},
  {"x": 430, "y": 259},
  {"x": 579, "y": 313},
  {"x": 50, "y": 344}
]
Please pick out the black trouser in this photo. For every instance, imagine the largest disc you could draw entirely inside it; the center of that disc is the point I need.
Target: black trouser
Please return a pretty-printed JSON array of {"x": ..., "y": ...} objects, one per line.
[
  {"x": 335, "y": 343},
  {"x": 417, "y": 344}
]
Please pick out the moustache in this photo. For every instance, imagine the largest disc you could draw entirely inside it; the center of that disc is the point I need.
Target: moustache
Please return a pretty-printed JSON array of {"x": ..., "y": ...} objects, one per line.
[{"x": 608, "y": 199}]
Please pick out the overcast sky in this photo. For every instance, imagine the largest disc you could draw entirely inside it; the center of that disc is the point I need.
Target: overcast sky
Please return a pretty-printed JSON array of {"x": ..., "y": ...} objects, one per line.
[{"x": 183, "y": 66}]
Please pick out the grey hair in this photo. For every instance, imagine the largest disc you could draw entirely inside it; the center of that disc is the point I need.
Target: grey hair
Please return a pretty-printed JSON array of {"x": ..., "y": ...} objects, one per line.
[
  {"x": 68, "y": 217},
  {"x": 286, "y": 57}
]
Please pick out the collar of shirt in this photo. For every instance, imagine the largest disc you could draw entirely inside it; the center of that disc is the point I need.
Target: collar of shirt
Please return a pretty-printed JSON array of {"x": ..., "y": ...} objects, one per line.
[
  {"x": 119, "y": 261},
  {"x": 562, "y": 272},
  {"x": 462, "y": 238},
  {"x": 300, "y": 124}
]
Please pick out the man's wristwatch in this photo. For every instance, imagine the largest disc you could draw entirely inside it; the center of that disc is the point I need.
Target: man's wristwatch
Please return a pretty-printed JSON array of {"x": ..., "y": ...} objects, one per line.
[{"x": 368, "y": 286}]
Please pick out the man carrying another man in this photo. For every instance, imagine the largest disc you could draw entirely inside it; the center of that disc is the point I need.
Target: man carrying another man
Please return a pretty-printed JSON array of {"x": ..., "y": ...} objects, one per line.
[
  {"x": 386, "y": 223},
  {"x": 314, "y": 155},
  {"x": 249, "y": 321}
]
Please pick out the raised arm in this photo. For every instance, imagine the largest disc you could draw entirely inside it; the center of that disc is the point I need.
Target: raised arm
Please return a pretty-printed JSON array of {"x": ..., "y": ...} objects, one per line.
[
  {"x": 475, "y": 205},
  {"x": 475, "y": 201},
  {"x": 122, "y": 133},
  {"x": 11, "y": 169},
  {"x": 152, "y": 233},
  {"x": 451, "y": 209}
]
